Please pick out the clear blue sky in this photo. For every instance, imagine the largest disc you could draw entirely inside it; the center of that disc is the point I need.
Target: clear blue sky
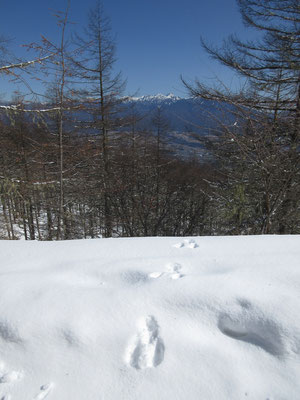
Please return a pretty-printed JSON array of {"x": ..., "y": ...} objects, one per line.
[{"x": 157, "y": 40}]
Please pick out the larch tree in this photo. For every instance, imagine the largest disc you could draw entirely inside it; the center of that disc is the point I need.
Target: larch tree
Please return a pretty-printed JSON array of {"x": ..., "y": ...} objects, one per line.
[
  {"x": 13, "y": 180},
  {"x": 58, "y": 89},
  {"x": 258, "y": 150},
  {"x": 60, "y": 104},
  {"x": 102, "y": 96}
]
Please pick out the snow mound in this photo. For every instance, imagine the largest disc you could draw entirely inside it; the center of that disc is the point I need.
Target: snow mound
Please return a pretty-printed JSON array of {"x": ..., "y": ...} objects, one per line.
[{"x": 150, "y": 318}]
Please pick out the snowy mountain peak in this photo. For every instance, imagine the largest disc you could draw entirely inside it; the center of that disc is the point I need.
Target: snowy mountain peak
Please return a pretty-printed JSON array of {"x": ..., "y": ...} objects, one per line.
[{"x": 158, "y": 98}]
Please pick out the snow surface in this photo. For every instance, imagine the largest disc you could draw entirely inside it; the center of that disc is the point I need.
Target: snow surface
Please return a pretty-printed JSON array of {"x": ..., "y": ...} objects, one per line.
[{"x": 151, "y": 318}]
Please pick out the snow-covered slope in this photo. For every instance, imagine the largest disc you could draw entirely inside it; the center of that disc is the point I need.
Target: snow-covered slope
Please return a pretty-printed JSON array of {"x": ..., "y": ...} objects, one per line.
[{"x": 151, "y": 318}]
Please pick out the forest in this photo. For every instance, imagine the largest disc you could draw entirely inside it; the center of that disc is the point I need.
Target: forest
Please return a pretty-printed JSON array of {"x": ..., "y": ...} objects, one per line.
[{"x": 74, "y": 164}]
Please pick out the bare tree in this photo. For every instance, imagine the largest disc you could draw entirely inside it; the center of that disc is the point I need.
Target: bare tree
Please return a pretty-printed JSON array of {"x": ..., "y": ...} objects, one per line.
[
  {"x": 102, "y": 96},
  {"x": 261, "y": 139}
]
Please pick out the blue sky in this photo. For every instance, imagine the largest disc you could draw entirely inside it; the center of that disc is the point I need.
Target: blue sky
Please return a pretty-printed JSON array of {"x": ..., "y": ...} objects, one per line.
[{"x": 157, "y": 40}]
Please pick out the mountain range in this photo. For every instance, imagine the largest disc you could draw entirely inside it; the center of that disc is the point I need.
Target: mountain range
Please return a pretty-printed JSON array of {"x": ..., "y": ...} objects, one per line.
[
  {"x": 182, "y": 114},
  {"x": 187, "y": 118}
]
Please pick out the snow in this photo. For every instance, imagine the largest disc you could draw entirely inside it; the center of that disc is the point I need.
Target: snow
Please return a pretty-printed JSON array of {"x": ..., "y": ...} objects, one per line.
[
  {"x": 158, "y": 98},
  {"x": 150, "y": 318}
]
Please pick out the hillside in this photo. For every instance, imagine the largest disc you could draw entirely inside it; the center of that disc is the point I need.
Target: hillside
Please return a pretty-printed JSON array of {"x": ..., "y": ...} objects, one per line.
[{"x": 150, "y": 318}]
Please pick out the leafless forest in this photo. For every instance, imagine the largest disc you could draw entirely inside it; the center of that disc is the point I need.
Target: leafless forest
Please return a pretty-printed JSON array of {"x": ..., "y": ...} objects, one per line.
[{"x": 73, "y": 164}]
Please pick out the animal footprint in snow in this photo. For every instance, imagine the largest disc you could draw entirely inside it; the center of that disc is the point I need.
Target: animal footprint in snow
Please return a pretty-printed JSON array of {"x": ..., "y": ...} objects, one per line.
[
  {"x": 189, "y": 243},
  {"x": 44, "y": 391},
  {"x": 147, "y": 348},
  {"x": 178, "y": 245},
  {"x": 173, "y": 272},
  {"x": 9, "y": 376},
  {"x": 155, "y": 275}
]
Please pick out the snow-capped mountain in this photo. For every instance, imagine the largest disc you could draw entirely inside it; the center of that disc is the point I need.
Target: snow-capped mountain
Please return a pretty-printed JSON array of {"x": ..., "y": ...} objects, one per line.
[
  {"x": 187, "y": 118},
  {"x": 157, "y": 99},
  {"x": 182, "y": 114}
]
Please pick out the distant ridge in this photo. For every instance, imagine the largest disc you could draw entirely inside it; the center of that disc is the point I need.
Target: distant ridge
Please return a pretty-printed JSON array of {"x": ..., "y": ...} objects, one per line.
[
  {"x": 183, "y": 114},
  {"x": 188, "y": 118},
  {"x": 158, "y": 98}
]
